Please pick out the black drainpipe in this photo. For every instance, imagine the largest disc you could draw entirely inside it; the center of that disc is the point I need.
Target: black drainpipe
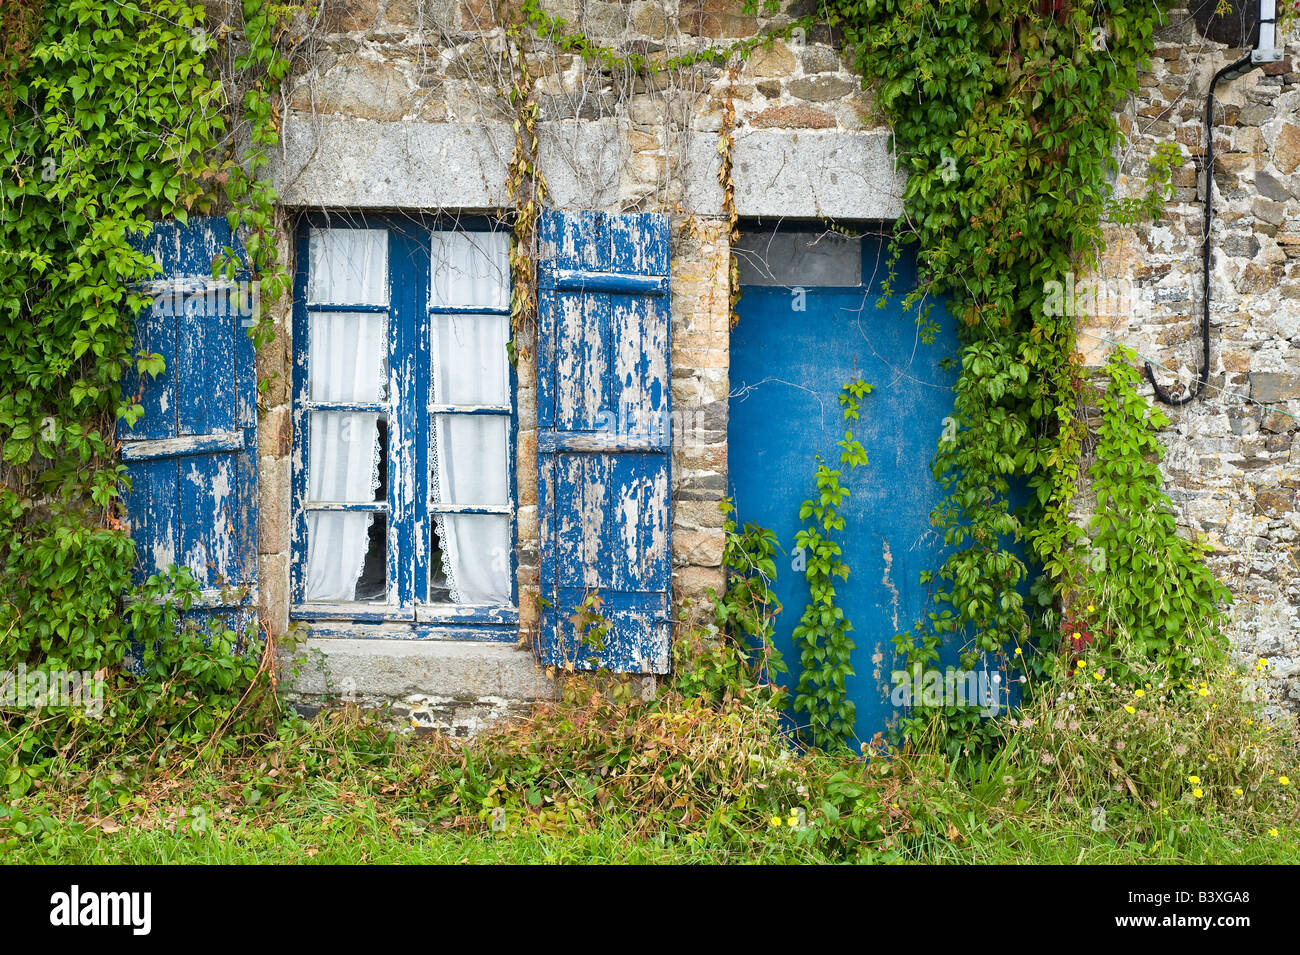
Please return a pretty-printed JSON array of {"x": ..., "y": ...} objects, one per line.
[{"x": 1239, "y": 68}]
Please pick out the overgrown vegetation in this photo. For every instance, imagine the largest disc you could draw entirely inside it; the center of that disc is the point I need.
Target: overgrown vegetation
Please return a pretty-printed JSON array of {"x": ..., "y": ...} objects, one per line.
[
  {"x": 1138, "y": 740},
  {"x": 822, "y": 634},
  {"x": 114, "y": 116},
  {"x": 1151, "y": 585},
  {"x": 1004, "y": 112},
  {"x": 734, "y": 653},
  {"x": 1107, "y": 769}
]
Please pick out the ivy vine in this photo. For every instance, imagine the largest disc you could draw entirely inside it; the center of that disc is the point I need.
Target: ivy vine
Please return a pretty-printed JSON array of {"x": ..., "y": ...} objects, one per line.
[
  {"x": 1004, "y": 116},
  {"x": 822, "y": 634},
  {"x": 113, "y": 116},
  {"x": 1152, "y": 586}
]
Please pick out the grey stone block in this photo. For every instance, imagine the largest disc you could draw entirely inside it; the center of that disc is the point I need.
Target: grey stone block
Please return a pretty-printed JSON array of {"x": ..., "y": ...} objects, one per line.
[
  {"x": 395, "y": 669},
  {"x": 431, "y": 166},
  {"x": 836, "y": 174},
  {"x": 1268, "y": 387},
  {"x": 786, "y": 174},
  {"x": 779, "y": 173},
  {"x": 359, "y": 164}
]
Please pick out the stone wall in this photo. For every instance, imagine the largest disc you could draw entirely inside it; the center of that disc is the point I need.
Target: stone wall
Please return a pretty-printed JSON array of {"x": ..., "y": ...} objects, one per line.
[
  {"x": 400, "y": 104},
  {"x": 1232, "y": 459}
]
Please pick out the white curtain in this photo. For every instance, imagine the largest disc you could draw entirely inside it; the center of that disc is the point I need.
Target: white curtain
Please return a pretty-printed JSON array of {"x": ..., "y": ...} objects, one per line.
[
  {"x": 471, "y": 268},
  {"x": 469, "y": 451},
  {"x": 345, "y": 362},
  {"x": 348, "y": 267}
]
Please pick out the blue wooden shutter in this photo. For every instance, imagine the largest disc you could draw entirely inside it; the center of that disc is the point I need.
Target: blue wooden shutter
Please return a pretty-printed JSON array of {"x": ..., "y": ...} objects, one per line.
[
  {"x": 192, "y": 457},
  {"x": 604, "y": 451}
]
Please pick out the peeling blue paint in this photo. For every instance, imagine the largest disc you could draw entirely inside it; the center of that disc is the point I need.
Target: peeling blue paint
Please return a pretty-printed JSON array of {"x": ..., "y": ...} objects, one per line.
[
  {"x": 191, "y": 459},
  {"x": 409, "y": 411},
  {"x": 604, "y": 446}
]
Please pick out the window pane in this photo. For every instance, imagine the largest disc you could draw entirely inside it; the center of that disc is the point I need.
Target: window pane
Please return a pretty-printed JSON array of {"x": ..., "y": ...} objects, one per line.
[
  {"x": 799, "y": 259},
  {"x": 470, "y": 268},
  {"x": 373, "y": 582},
  {"x": 471, "y": 559},
  {"x": 469, "y": 459},
  {"x": 347, "y": 358},
  {"x": 346, "y": 556},
  {"x": 470, "y": 365},
  {"x": 346, "y": 455},
  {"x": 348, "y": 267}
]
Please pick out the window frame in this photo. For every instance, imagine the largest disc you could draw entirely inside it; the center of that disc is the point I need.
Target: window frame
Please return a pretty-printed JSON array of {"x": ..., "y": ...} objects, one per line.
[{"x": 408, "y": 405}]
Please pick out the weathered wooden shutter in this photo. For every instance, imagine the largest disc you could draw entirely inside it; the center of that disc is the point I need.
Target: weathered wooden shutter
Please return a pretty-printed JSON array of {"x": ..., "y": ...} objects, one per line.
[
  {"x": 604, "y": 451},
  {"x": 192, "y": 456}
]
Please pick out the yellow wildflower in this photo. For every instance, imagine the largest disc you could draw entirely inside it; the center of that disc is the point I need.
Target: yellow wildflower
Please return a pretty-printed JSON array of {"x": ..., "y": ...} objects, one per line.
[
  {"x": 1193, "y": 779},
  {"x": 1198, "y": 792},
  {"x": 1129, "y": 710}
]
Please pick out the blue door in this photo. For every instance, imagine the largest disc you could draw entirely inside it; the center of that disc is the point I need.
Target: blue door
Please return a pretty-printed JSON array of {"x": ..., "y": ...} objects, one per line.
[{"x": 808, "y": 323}]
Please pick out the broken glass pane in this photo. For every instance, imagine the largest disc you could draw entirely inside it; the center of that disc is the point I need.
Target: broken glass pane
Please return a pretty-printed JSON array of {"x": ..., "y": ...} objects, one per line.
[
  {"x": 345, "y": 556},
  {"x": 373, "y": 582},
  {"x": 470, "y": 559},
  {"x": 439, "y": 590}
]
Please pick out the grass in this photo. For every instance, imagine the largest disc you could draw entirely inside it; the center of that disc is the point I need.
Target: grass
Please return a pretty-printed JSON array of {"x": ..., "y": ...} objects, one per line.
[
  {"x": 1038, "y": 841},
  {"x": 1185, "y": 773},
  {"x": 329, "y": 824},
  {"x": 364, "y": 839}
]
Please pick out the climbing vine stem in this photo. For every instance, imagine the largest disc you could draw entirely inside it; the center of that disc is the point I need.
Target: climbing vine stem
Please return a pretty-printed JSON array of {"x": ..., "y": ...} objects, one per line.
[
  {"x": 527, "y": 191},
  {"x": 112, "y": 116},
  {"x": 822, "y": 634},
  {"x": 1004, "y": 112}
]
